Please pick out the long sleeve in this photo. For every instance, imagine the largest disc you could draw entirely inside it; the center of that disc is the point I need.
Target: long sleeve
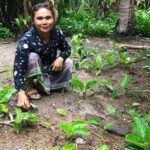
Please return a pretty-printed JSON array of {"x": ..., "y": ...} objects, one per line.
[
  {"x": 63, "y": 46},
  {"x": 21, "y": 64}
]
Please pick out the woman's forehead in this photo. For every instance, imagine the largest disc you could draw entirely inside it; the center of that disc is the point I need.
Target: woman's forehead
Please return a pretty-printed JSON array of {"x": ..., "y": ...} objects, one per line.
[{"x": 43, "y": 12}]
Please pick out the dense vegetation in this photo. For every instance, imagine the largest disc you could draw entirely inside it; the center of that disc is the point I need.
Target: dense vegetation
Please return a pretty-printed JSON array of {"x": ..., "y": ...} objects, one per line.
[{"x": 98, "y": 18}]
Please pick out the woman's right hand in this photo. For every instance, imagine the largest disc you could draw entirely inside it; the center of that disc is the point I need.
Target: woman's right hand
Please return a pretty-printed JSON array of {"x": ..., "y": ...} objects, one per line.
[{"x": 23, "y": 101}]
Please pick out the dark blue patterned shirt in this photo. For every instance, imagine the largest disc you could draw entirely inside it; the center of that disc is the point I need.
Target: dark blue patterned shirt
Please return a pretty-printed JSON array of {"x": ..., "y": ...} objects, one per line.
[{"x": 31, "y": 42}]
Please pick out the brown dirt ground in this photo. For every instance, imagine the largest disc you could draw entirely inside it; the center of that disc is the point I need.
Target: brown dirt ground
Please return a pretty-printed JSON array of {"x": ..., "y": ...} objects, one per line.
[{"x": 40, "y": 138}]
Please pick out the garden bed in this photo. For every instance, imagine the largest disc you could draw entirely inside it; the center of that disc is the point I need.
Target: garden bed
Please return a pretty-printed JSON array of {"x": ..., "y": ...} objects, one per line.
[{"x": 44, "y": 137}]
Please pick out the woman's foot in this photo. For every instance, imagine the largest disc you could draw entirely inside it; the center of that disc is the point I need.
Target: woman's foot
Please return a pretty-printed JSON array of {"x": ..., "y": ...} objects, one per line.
[{"x": 33, "y": 94}]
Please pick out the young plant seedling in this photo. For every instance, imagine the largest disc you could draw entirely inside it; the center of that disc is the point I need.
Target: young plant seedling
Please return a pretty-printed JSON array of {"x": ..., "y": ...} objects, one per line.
[
  {"x": 61, "y": 111},
  {"x": 81, "y": 87},
  {"x": 23, "y": 117},
  {"x": 77, "y": 127},
  {"x": 98, "y": 64},
  {"x": 103, "y": 147},
  {"x": 111, "y": 57},
  {"x": 5, "y": 93},
  {"x": 79, "y": 48},
  {"x": 141, "y": 134},
  {"x": 123, "y": 85}
]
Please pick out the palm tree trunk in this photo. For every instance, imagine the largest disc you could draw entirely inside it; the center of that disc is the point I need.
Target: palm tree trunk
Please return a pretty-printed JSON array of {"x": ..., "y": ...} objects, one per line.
[{"x": 126, "y": 23}]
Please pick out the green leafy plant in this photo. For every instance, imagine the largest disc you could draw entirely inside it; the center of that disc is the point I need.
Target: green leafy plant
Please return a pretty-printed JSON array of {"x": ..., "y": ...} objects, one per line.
[
  {"x": 23, "y": 117},
  {"x": 22, "y": 23},
  {"x": 142, "y": 18},
  {"x": 98, "y": 64},
  {"x": 5, "y": 93},
  {"x": 81, "y": 87},
  {"x": 124, "y": 58},
  {"x": 77, "y": 42},
  {"x": 141, "y": 134},
  {"x": 61, "y": 111},
  {"x": 111, "y": 109},
  {"x": 77, "y": 127},
  {"x": 3, "y": 108},
  {"x": 4, "y": 32},
  {"x": 133, "y": 113},
  {"x": 82, "y": 64},
  {"x": 123, "y": 85},
  {"x": 103, "y": 147},
  {"x": 110, "y": 57},
  {"x": 108, "y": 125}
]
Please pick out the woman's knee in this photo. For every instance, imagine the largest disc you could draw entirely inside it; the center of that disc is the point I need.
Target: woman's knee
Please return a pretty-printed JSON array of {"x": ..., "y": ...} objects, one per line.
[
  {"x": 34, "y": 58},
  {"x": 69, "y": 63}
]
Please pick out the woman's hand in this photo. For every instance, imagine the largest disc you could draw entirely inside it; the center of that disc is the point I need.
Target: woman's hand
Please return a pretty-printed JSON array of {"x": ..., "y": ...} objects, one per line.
[
  {"x": 57, "y": 65},
  {"x": 23, "y": 101}
]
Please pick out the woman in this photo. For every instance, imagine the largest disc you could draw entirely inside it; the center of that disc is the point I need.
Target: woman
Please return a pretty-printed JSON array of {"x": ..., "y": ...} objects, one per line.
[{"x": 37, "y": 62}]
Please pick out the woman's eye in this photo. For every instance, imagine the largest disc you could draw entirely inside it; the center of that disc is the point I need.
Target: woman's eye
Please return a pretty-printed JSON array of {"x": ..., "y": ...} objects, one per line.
[
  {"x": 48, "y": 17},
  {"x": 39, "y": 18}
]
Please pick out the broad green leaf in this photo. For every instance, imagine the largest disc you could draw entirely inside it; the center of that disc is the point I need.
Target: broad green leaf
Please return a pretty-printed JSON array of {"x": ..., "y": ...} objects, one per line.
[
  {"x": 79, "y": 124},
  {"x": 19, "y": 116},
  {"x": 61, "y": 111},
  {"x": 139, "y": 127},
  {"x": 5, "y": 93},
  {"x": 108, "y": 125},
  {"x": 124, "y": 82},
  {"x": 91, "y": 83},
  {"x": 93, "y": 121},
  {"x": 135, "y": 140},
  {"x": 75, "y": 81},
  {"x": 70, "y": 146},
  {"x": 111, "y": 109},
  {"x": 30, "y": 117},
  {"x": 3, "y": 108},
  {"x": 103, "y": 147},
  {"x": 66, "y": 128},
  {"x": 99, "y": 61},
  {"x": 81, "y": 131}
]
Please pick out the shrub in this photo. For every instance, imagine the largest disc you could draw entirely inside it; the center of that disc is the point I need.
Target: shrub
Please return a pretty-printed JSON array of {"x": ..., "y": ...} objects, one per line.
[
  {"x": 86, "y": 23},
  {"x": 4, "y": 32},
  {"x": 143, "y": 22}
]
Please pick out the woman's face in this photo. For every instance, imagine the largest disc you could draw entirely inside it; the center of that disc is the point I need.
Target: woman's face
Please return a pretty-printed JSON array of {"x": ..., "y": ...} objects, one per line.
[{"x": 43, "y": 20}]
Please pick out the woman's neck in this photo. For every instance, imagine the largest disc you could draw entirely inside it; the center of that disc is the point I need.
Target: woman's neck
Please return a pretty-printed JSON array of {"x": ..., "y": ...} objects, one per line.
[{"x": 45, "y": 37}]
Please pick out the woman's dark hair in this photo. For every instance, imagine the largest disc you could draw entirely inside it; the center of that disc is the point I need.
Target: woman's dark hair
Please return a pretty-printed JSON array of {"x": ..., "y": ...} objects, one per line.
[{"x": 48, "y": 5}]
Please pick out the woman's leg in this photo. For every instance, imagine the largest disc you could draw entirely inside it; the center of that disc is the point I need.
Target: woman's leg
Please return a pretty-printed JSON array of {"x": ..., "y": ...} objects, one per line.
[
  {"x": 34, "y": 69},
  {"x": 61, "y": 79}
]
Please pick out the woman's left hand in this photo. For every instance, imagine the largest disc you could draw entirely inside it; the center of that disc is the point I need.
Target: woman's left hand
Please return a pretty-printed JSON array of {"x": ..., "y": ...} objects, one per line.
[{"x": 57, "y": 65}]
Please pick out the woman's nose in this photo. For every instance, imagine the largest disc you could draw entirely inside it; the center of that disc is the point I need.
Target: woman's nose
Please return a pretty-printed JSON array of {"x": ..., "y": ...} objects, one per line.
[{"x": 44, "y": 21}]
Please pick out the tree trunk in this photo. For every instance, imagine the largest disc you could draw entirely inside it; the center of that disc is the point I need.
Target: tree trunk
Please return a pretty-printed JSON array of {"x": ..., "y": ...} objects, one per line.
[{"x": 126, "y": 21}]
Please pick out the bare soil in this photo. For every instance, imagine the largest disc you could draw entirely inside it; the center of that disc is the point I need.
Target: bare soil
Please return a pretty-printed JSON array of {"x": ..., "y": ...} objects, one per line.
[{"x": 38, "y": 137}]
